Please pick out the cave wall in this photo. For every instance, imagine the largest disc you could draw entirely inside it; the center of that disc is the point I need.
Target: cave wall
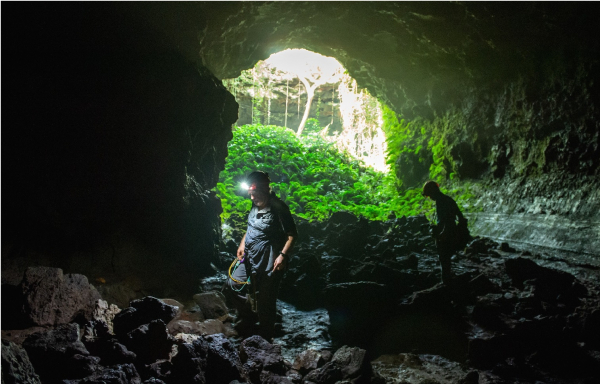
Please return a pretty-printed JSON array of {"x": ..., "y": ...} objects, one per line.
[
  {"x": 112, "y": 140},
  {"x": 511, "y": 89}
]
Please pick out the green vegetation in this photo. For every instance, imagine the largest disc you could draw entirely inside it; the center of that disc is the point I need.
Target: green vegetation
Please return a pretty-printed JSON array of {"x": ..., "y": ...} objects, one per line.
[{"x": 311, "y": 176}]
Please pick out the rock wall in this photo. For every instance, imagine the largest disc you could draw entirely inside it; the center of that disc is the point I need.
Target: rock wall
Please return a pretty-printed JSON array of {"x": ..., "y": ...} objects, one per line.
[
  {"x": 512, "y": 90},
  {"x": 113, "y": 139}
]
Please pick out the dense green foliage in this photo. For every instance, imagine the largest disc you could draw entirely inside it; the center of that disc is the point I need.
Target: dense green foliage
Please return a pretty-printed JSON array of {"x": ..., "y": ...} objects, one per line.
[
  {"x": 311, "y": 176},
  {"x": 428, "y": 141}
]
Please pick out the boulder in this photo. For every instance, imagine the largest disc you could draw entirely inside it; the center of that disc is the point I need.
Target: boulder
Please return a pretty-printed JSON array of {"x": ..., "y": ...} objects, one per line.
[
  {"x": 150, "y": 342},
  {"x": 349, "y": 364},
  {"x": 212, "y": 304},
  {"x": 16, "y": 367},
  {"x": 141, "y": 312},
  {"x": 51, "y": 298},
  {"x": 60, "y": 347},
  {"x": 189, "y": 364},
  {"x": 223, "y": 361},
  {"x": 307, "y": 361},
  {"x": 259, "y": 355}
]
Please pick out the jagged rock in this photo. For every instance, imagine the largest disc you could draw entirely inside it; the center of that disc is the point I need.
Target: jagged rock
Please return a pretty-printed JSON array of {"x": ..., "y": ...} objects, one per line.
[
  {"x": 259, "y": 355},
  {"x": 142, "y": 312},
  {"x": 549, "y": 283},
  {"x": 267, "y": 377},
  {"x": 60, "y": 347},
  {"x": 52, "y": 298},
  {"x": 16, "y": 367},
  {"x": 208, "y": 327},
  {"x": 212, "y": 304},
  {"x": 470, "y": 378},
  {"x": 106, "y": 313},
  {"x": 150, "y": 342},
  {"x": 348, "y": 364},
  {"x": 189, "y": 364},
  {"x": 111, "y": 352},
  {"x": 117, "y": 374},
  {"x": 307, "y": 361},
  {"x": 223, "y": 361}
]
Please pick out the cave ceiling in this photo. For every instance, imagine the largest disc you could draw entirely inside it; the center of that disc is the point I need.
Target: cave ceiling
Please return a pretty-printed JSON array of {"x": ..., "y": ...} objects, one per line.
[{"x": 419, "y": 57}]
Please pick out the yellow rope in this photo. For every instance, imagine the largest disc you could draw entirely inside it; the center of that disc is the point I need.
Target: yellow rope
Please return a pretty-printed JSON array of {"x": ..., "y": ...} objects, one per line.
[{"x": 237, "y": 281}]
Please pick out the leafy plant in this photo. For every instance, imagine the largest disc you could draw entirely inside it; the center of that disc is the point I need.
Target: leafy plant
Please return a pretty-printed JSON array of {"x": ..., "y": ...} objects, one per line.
[{"x": 311, "y": 176}]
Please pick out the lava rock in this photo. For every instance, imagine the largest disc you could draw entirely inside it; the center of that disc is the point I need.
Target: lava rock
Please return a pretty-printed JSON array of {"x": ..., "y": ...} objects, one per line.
[
  {"x": 150, "y": 342},
  {"x": 212, "y": 304},
  {"x": 189, "y": 364},
  {"x": 258, "y": 355},
  {"x": 142, "y": 312},
  {"x": 16, "y": 367},
  {"x": 348, "y": 363},
  {"x": 60, "y": 347},
  {"x": 51, "y": 298},
  {"x": 223, "y": 361},
  {"x": 307, "y": 361},
  {"x": 117, "y": 374}
]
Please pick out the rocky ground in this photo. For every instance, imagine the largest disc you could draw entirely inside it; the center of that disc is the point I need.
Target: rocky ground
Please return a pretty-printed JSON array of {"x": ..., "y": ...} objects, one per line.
[{"x": 361, "y": 303}]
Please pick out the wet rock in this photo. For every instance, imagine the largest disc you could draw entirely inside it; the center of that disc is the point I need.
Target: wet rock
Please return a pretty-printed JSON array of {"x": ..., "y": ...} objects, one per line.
[
  {"x": 141, "y": 312},
  {"x": 16, "y": 367},
  {"x": 60, "y": 347},
  {"x": 51, "y": 298},
  {"x": 212, "y": 304},
  {"x": 258, "y": 355},
  {"x": 150, "y": 342}
]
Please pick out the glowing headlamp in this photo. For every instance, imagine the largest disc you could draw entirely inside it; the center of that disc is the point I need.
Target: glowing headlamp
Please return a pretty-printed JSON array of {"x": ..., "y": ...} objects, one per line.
[{"x": 249, "y": 188}]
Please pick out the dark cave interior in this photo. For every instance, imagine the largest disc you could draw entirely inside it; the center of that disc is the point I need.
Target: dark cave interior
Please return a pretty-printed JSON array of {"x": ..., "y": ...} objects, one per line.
[{"x": 115, "y": 127}]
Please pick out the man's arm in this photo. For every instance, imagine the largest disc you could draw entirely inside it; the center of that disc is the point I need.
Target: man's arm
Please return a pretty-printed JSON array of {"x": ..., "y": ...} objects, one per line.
[
  {"x": 241, "y": 248},
  {"x": 287, "y": 249}
]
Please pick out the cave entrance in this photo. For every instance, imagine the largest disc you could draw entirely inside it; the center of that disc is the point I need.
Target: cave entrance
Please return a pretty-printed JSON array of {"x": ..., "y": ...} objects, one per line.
[
  {"x": 323, "y": 157},
  {"x": 312, "y": 94}
]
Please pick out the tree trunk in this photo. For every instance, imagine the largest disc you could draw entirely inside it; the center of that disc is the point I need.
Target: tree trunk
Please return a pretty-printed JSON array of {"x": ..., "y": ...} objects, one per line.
[{"x": 310, "y": 94}]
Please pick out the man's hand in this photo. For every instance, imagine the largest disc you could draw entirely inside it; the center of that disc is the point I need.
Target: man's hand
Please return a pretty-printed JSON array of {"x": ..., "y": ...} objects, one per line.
[{"x": 279, "y": 263}]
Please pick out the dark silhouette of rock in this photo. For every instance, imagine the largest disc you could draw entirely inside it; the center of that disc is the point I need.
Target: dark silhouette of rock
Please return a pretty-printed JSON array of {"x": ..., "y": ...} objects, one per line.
[
  {"x": 258, "y": 355},
  {"x": 223, "y": 361},
  {"x": 51, "y": 298},
  {"x": 550, "y": 285},
  {"x": 141, "y": 312},
  {"x": 189, "y": 364},
  {"x": 117, "y": 374},
  {"x": 16, "y": 367},
  {"x": 150, "y": 342},
  {"x": 62, "y": 348}
]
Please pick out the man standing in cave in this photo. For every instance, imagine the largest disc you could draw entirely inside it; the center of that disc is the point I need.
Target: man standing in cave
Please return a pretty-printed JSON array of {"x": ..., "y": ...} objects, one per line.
[
  {"x": 450, "y": 235},
  {"x": 263, "y": 254}
]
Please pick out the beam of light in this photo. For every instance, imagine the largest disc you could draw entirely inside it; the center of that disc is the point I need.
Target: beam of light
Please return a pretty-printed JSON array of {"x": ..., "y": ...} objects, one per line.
[{"x": 244, "y": 186}]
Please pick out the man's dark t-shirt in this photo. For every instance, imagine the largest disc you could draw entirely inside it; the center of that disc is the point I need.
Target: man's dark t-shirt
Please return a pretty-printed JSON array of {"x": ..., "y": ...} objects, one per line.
[{"x": 268, "y": 230}]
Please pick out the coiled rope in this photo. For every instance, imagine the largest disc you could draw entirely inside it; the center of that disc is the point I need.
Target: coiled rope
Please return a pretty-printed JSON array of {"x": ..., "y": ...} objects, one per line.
[{"x": 234, "y": 265}]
